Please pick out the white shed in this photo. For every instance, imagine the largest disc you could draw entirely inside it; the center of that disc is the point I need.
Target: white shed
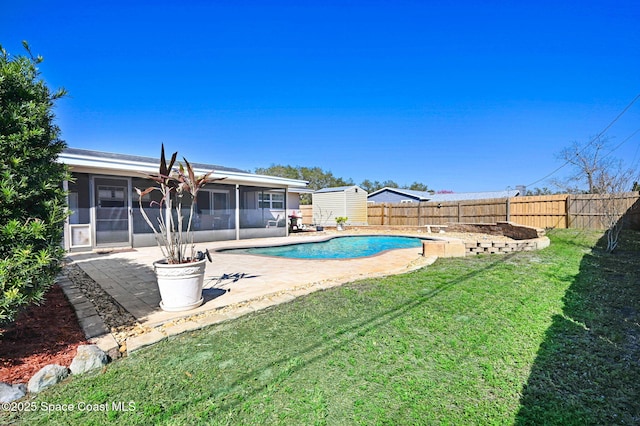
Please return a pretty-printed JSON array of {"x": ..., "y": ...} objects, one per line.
[{"x": 345, "y": 201}]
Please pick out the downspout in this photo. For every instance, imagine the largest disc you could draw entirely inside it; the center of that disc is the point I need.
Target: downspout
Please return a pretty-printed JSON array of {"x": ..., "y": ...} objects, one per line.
[{"x": 130, "y": 211}]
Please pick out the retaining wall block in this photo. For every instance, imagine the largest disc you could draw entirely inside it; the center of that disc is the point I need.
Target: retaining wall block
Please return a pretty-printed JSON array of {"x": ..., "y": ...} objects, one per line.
[{"x": 443, "y": 248}]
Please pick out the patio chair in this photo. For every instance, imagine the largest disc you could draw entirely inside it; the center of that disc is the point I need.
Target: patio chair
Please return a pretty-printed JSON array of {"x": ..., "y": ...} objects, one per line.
[{"x": 273, "y": 222}]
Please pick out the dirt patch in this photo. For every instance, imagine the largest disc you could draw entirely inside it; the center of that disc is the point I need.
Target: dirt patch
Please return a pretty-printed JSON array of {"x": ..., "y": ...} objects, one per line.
[
  {"x": 41, "y": 335},
  {"x": 422, "y": 233}
]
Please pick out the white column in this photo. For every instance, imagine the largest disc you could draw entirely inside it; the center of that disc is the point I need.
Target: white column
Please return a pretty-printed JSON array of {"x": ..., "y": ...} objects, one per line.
[
  {"x": 286, "y": 209},
  {"x": 237, "y": 212}
]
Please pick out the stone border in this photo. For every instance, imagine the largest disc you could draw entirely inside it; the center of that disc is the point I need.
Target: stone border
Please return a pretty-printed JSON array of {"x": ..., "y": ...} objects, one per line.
[
  {"x": 496, "y": 247},
  {"x": 92, "y": 324}
]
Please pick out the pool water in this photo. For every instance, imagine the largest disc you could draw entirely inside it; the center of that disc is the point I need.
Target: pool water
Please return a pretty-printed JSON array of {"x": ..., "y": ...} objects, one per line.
[{"x": 336, "y": 248}]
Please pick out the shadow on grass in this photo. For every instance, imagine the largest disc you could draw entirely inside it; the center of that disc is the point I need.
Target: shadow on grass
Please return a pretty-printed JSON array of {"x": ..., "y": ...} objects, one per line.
[
  {"x": 343, "y": 337},
  {"x": 587, "y": 370}
]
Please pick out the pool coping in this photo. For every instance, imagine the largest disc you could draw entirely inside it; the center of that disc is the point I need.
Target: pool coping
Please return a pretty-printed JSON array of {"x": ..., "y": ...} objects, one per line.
[{"x": 226, "y": 250}]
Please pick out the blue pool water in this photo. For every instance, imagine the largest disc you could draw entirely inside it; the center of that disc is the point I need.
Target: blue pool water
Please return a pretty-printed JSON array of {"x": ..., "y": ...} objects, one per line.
[{"x": 336, "y": 248}]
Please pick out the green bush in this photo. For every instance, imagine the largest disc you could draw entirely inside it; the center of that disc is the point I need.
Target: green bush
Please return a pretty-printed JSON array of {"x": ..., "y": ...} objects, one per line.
[{"x": 32, "y": 201}]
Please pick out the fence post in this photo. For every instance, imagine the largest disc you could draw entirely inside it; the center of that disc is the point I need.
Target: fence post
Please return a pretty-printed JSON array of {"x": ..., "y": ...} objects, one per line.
[
  {"x": 508, "y": 209},
  {"x": 567, "y": 207},
  {"x": 459, "y": 212},
  {"x": 382, "y": 210}
]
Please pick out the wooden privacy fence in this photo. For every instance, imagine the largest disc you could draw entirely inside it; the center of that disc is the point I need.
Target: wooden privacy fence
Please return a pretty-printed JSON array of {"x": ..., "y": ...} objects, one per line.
[
  {"x": 307, "y": 214},
  {"x": 586, "y": 211}
]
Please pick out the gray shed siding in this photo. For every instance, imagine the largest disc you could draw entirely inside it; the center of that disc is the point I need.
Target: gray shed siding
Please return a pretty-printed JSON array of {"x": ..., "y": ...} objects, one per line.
[{"x": 391, "y": 197}]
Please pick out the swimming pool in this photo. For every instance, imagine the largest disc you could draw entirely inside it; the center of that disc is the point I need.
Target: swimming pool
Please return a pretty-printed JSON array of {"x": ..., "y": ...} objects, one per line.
[{"x": 336, "y": 248}]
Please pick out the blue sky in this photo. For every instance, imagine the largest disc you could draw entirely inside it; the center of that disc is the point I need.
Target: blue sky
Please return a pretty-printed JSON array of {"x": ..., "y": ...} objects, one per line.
[{"x": 462, "y": 96}]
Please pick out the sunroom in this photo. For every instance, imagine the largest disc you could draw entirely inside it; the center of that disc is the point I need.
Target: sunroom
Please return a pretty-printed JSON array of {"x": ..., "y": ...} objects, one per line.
[{"x": 105, "y": 207}]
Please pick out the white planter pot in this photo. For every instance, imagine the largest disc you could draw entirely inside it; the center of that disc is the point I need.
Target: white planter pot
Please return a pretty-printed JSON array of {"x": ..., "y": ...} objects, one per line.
[{"x": 180, "y": 285}]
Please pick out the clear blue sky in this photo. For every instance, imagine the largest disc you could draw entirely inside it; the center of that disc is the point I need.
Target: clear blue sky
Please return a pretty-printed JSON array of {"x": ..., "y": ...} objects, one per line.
[{"x": 459, "y": 95}]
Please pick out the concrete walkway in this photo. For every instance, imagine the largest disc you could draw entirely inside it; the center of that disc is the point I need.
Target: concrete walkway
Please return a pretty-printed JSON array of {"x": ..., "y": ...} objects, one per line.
[{"x": 235, "y": 284}]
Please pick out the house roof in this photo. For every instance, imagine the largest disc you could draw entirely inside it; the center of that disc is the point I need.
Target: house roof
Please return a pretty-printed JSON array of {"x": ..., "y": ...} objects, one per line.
[
  {"x": 140, "y": 159},
  {"x": 475, "y": 195},
  {"x": 421, "y": 195},
  {"x": 336, "y": 189},
  {"x": 460, "y": 196},
  {"x": 106, "y": 162}
]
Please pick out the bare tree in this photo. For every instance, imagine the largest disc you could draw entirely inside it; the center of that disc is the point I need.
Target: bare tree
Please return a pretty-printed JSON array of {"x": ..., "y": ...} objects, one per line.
[
  {"x": 603, "y": 175},
  {"x": 590, "y": 162},
  {"x": 615, "y": 202}
]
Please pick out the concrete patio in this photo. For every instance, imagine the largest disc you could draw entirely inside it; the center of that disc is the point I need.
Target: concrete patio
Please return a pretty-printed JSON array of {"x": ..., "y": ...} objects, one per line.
[{"x": 235, "y": 284}]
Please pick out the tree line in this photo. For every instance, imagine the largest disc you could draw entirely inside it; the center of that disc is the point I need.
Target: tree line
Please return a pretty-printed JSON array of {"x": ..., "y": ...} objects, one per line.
[{"x": 319, "y": 178}]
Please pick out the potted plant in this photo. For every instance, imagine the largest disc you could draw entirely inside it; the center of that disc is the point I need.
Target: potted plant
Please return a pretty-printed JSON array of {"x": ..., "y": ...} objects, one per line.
[
  {"x": 180, "y": 274},
  {"x": 340, "y": 221}
]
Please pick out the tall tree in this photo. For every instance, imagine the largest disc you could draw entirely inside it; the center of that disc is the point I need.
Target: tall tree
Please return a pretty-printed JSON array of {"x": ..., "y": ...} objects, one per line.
[
  {"x": 370, "y": 186},
  {"x": 592, "y": 167},
  {"x": 32, "y": 201},
  {"x": 317, "y": 177},
  {"x": 539, "y": 191},
  {"x": 419, "y": 186}
]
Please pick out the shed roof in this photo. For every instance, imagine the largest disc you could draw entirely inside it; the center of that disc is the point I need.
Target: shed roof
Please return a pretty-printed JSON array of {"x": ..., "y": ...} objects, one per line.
[{"x": 337, "y": 189}]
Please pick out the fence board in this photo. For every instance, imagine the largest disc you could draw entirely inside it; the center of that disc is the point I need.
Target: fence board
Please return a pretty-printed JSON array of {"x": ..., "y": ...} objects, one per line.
[
  {"x": 545, "y": 211},
  {"x": 593, "y": 211}
]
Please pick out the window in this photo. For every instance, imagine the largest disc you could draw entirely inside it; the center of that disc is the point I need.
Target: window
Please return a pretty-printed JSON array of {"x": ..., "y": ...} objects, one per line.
[
  {"x": 407, "y": 201},
  {"x": 111, "y": 196},
  {"x": 74, "y": 216},
  {"x": 270, "y": 201}
]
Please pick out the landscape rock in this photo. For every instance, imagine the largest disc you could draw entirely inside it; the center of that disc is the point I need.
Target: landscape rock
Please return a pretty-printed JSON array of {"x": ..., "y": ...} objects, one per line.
[
  {"x": 89, "y": 357},
  {"x": 10, "y": 393},
  {"x": 47, "y": 376}
]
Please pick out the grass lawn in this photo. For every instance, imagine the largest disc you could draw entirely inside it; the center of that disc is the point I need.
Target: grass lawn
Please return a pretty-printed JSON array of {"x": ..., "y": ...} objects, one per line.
[{"x": 544, "y": 337}]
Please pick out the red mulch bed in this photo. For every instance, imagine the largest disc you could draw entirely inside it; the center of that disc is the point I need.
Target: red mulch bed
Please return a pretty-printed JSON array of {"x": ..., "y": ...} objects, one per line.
[{"x": 41, "y": 335}]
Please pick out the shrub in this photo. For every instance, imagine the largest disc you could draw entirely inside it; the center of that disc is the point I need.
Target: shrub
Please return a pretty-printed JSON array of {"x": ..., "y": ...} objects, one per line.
[{"x": 32, "y": 201}]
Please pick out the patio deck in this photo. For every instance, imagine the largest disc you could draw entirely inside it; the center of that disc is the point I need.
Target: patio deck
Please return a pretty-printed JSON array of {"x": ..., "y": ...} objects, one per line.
[{"x": 235, "y": 284}]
